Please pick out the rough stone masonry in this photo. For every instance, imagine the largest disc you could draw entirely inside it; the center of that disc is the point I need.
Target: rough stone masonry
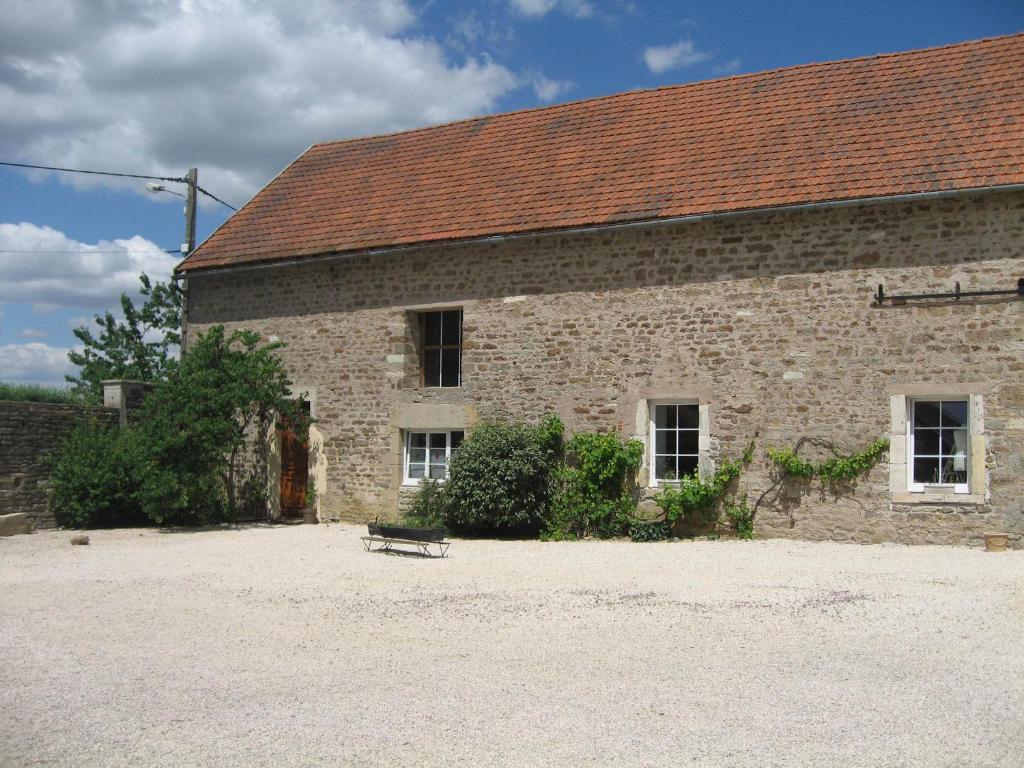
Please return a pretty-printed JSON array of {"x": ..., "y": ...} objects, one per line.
[
  {"x": 29, "y": 433},
  {"x": 766, "y": 319}
]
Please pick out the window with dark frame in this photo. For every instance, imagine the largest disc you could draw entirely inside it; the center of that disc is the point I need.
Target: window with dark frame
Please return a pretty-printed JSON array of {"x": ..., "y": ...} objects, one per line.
[
  {"x": 675, "y": 431},
  {"x": 441, "y": 357}
]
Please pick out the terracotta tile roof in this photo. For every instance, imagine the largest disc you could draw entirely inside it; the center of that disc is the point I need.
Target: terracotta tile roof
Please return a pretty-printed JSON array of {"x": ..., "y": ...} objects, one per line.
[{"x": 938, "y": 119}]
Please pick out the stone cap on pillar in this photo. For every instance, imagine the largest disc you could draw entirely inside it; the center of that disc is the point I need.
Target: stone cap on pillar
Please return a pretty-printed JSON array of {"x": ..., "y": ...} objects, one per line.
[{"x": 125, "y": 395}]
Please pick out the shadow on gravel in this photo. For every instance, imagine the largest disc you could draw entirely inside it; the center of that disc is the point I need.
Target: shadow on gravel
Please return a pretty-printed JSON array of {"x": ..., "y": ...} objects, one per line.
[{"x": 220, "y": 527}]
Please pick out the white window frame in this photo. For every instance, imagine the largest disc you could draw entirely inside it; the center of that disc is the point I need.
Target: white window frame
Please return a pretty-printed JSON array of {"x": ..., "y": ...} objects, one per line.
[
  {"x": 652, "y": 441},
  {"x": 407, "y": 447},
  {"x": 914, "y": 487}
]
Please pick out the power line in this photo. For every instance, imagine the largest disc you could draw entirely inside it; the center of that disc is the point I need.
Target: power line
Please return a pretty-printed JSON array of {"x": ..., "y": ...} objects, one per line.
[
  {"x": 176, "y": 179},
  {"x": 94, "y": 253},
  {"x": 210, "y": 194},
  {"x": 180, "y": 180}
]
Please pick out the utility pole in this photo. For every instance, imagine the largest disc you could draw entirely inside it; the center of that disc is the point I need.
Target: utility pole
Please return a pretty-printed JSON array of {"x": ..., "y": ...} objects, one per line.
[
  {"x": 190, "y": 211},
  {"x": 188, "y": 247}
]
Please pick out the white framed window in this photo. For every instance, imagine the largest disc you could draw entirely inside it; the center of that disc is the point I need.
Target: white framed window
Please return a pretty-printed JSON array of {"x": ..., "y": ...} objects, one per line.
[
  {"x": 939, "y": 444},
  {"x": 674, "y": 447},
  {"x": 427, "y": 453}
]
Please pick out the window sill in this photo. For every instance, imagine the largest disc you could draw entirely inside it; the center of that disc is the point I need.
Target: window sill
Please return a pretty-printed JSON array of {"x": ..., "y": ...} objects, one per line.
[{"x": 908, "y": 497}]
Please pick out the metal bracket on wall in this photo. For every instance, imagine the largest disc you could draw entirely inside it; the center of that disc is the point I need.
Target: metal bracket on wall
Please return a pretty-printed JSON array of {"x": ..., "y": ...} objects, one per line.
[{"x": 881, "y": 296}]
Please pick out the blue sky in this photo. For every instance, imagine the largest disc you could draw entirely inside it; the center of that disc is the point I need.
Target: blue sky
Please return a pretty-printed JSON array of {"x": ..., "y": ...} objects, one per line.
[{"x": 240, "y": 89}]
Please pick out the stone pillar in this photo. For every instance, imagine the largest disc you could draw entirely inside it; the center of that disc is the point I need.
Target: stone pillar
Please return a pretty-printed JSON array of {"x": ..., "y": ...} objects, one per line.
[{"x": 124, "y": 395}]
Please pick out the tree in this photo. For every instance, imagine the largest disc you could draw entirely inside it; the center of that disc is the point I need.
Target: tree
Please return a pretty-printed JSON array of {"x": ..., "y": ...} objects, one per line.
[
  {"x": 196, "y": 426},
  {"x": 141, "y": 346}
]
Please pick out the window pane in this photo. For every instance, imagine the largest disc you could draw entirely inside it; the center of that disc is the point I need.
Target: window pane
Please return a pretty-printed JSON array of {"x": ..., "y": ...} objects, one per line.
[
  {"x": 417, "y": 455},
  {"x": 432, "y": 329},
  {"x": 438, "y": 440},
  {"x": 432, "y": 368},
  {"x": 926, "y": 414},
  {"x": 668, "y": 416},
  {"x": 926, "y": 442},
  {"x": 664, "y": 467},
  {"x": 954, "y": 414},
  {"x": 664, "y": 441},
  {"x": 451, "y": 331},
  {"x": 450, "y": 367},
  {"x": 418, "y": 440},
  {"x": 687, "y": 465},
  {"x": 457, "y": 439},
  {"x": 926, "y": 470},
  {"x": 689, "y": 416},
  {"x": 954, "y": 470},
  {"x": 438, "y": 471},
  {"x": 688, "y": 441},
  {"x": 437, "y": 456},
  {"x": 415, "y": 471},
  {"x": 956, "y": 440}
]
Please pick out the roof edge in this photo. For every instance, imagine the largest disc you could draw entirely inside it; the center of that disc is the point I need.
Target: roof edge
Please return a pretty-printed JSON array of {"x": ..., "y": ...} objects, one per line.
[{"x": 693, "y": 217}]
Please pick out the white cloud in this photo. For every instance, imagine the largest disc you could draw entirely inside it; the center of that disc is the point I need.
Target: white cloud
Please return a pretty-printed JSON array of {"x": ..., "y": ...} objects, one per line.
[
  {"x": 34, "y": 363},
  {"x": 44, "y": 267},
  {"x": 235, "y": 88},
  {"x": 580, "y": 9},
  {"x": 547, "y": 89},
  {"x": 727, "y": 67},
  {"x": 662, "y": 58},
  {"x": 33, "y": 333}
]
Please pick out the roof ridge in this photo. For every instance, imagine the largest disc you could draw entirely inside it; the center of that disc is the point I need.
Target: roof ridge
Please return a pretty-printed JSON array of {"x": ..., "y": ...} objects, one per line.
[{"x": 670, "y": 87}]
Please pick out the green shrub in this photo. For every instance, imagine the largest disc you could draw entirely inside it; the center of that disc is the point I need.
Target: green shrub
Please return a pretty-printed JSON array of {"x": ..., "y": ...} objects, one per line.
[
  {"x": 427, "y": 509},
  {"x": 36, "y": 393},
  {"x": 96, "y": 479},
  {"x": 693, "y": 497},
  {"x": 742, "y": 518},
  {"x": 594, "y": 487},
  {"x": 499, "y": 480},
  {"x": 649, "y": 530}
]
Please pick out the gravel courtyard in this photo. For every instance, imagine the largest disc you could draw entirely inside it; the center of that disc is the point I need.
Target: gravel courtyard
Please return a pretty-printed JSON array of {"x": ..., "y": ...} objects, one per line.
[{"x": 292, "y": 646}]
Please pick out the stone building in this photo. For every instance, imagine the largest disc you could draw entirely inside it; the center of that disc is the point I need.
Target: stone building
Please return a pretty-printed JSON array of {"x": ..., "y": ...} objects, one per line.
[{"x": 693, "y": 266}]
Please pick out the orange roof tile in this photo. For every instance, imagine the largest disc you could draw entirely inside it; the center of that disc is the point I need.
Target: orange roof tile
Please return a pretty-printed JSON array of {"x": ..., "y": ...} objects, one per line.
[{"x": 939, "y": 119}]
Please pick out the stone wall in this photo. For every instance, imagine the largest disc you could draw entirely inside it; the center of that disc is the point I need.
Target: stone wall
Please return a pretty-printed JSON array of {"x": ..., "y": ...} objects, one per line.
[
  {"x": 29, "y": 432},
  {"x": 766, "y": 319}
]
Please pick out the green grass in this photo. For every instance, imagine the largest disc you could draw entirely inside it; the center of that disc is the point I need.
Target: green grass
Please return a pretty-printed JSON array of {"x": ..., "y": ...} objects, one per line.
[{"x": 36, "y": 393}]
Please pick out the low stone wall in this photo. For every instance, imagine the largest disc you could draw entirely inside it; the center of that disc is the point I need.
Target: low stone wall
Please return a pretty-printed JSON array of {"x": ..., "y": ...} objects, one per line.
[{"x": 29, "y": 432}]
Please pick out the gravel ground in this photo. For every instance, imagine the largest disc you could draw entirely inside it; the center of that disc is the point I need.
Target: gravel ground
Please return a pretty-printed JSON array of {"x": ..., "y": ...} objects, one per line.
[{"x": 294, "y": 647}]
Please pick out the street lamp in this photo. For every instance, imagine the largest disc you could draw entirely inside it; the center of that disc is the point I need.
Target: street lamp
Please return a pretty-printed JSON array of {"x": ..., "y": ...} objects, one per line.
[
  {"x": 192, "y": 179},
  {"x": 152, "y": 186}
]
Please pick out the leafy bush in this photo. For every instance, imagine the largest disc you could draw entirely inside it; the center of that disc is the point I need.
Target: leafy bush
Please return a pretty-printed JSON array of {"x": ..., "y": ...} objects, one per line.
[
  {"x": 196, "y": 426},
  {"x": 427, "y": 509},
  {"x": 499, "y": 480},
  {"x": 35, "y": 393},
  {"x": 96, "y": 479},
  {"x": 693, "y": 497},
  {"x": 742, "y": 518},
  {"x": 649, "y": 530},
  {"x": 182, "y": 462},
  {"x": 594, "y": 487}
]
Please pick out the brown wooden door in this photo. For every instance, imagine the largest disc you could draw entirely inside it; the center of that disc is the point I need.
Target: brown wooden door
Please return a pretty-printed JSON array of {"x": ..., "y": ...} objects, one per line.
[{"x": 294, "y": 473}]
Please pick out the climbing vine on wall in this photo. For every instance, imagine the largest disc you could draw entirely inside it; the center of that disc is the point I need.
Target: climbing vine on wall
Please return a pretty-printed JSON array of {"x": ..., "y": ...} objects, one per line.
[
  {"x": 695, "y": 497},
  {"x": 833, "y": 471}
]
